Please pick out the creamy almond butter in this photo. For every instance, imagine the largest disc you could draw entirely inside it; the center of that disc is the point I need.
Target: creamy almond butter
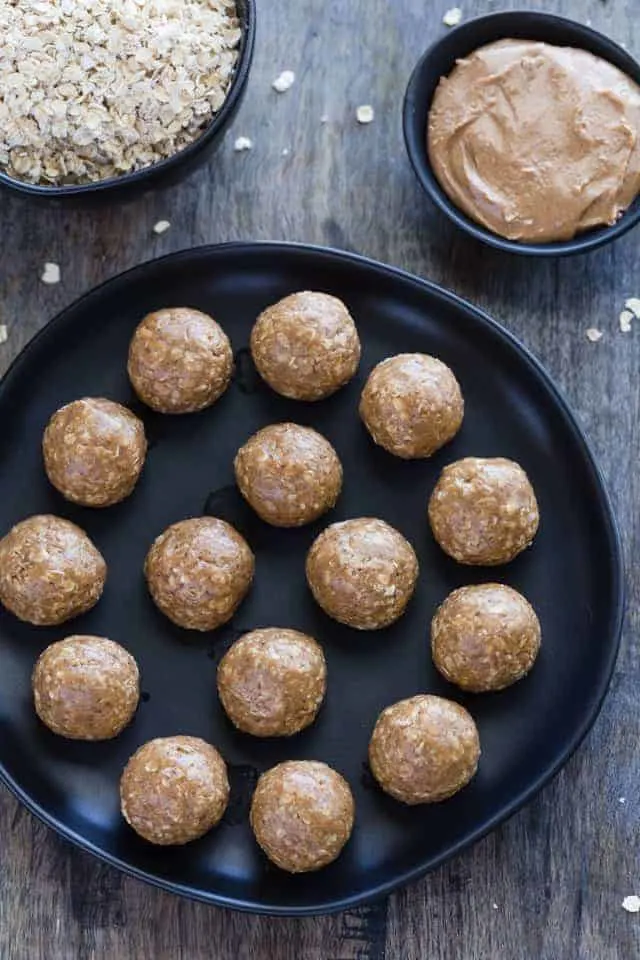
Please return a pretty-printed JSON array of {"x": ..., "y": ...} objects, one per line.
[{"x": 535, "y": 142}]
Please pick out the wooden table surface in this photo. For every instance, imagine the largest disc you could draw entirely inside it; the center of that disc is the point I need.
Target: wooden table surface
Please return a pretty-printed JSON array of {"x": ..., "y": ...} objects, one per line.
[{"x": 549, "y": 884}]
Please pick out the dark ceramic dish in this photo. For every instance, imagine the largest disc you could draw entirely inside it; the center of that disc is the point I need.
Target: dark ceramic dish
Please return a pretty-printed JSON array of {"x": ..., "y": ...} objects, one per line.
[
  {"x": 174, "y": 168},
  {"x": 572, "y": 575},
  {"x": 440, "y": 60}
]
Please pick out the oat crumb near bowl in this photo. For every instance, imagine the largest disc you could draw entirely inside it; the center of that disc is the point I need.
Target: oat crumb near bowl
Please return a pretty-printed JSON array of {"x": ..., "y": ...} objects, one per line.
[
  {"x": 631, "y": 904},
  {"x": 626, "y": 319},
  {"x": 4, "y": 333},
  {"x": 452, "y": 17},
  {"x": 593, "y": 334},
  {"x": 242, "y": 144},
  {"x": 284, "y": 82},
  {"x": 161, "y": 227},
  {"x": 365, "y": 113},
  {"x": 633, "y": 304},
  {"x": 50, "y": 273}
]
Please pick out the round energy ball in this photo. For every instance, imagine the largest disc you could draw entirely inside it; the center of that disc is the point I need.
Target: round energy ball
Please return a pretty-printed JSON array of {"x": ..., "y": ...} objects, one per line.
[
  {"x": 94, "y": 451},
  {"x": 424, "y": 749},
  {"x": 302, "y": 815},
  {"x": 272, "y": 682},
  {"x": 412, "y": 405},
  {"x": 362, "y": 573},
  {"x": 198, "y": 572},
  {"x": 174, "y": 790},
  {"x": 49, "y": 571},
  {"x": 306, "y": 346},
  {"x": 289, "y": 474},
  {"x": 483, "y": 511},
  {"x": 180, "y": 360},
  {"x": 86, "y": 688},
  {"x": 485, "y": 637}
]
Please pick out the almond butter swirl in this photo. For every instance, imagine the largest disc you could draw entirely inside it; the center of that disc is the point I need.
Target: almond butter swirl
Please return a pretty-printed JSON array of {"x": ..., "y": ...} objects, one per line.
[{"x": 535, "y": 142}]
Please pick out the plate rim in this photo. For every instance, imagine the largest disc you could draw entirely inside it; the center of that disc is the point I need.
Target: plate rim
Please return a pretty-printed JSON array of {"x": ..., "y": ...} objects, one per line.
[{"x": 616, "y": 562}]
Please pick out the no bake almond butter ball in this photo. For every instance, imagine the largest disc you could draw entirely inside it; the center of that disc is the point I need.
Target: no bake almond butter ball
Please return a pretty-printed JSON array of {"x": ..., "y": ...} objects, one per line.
[
  {"x": 50, "y": 571},
  {"x": 424, "y": 749},
  {"x": 289, "y": 474},
  {"x": 306, "y": 346},
  {"x": 86, "y": 688},
  {"x": 199, "y": 571},
  {"x": 174, "y": 790},
  {"x": 485, "y": 637},
  {"x": 302, "y": 815},
  {"x": 94, "y": 451},
  {"x": 180, "y": 360},
  {"x": 362, "y": 573},
  {"x": 272, "y": 682},
  {"x": 412, "y": 405},
  {"x": 483, "y": 511}
]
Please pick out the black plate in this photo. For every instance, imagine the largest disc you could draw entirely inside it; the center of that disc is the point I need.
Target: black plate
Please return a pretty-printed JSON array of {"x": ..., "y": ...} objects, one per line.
[
  {"x": 440, "y": 60},
  {"x": 572, "y": 575}
]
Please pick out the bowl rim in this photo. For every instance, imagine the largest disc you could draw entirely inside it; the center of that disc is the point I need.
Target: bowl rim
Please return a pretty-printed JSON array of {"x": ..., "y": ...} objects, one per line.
[
  {"x": 246, "y": 13},
  {"x": 417, "y": 149}
]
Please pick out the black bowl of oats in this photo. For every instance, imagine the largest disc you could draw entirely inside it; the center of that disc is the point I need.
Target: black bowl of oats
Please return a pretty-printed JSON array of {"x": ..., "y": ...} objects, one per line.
[{"x": 116, "y": 95}]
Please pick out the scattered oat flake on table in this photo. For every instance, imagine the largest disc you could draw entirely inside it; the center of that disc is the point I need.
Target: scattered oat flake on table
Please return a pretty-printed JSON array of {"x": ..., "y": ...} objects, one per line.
[
  {"x": 285, "y": 152},
  {"x": 365, "y": 113},
  {"x": 633, "y": 304},
  {"x": 452, "y": 17},
  {"x": 284, "y": 82},
  {"x": 50, "y": 273},
  {"x": 161, "y": 227},
  {"x": 622, "y": 799},
  {"x": 4, "y": 333},
  {"x": 626, "y": 319},
  {"x": 594, "y": 335},
  {"x": 324, "y": 118},
  {"x": 495, "y": 906},
  {"x": 631, "y": 904},
  {"x": 242, "y": 144}
]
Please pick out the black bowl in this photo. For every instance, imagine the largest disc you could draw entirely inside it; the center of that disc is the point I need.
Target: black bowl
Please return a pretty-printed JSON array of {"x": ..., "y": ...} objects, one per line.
[
  {"x": 440, "y": 60},
  {"x": 168, "y": 171}
]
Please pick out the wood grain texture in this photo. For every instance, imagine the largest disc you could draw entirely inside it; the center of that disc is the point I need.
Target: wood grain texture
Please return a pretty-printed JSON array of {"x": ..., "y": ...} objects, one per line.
[{"x": 549, "y": 884}]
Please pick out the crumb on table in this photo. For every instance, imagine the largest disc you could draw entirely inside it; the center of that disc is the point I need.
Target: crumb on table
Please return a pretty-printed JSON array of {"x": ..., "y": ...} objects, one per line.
[
  {"x": 631, "y": 904},
  {"x": 593, "y": 334},
  {"x": 284, "y": 82},
  {"x": 626, "y": 319},
  {"x": 365, "y": 113},
  {"x": 50, "y": 273}
]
